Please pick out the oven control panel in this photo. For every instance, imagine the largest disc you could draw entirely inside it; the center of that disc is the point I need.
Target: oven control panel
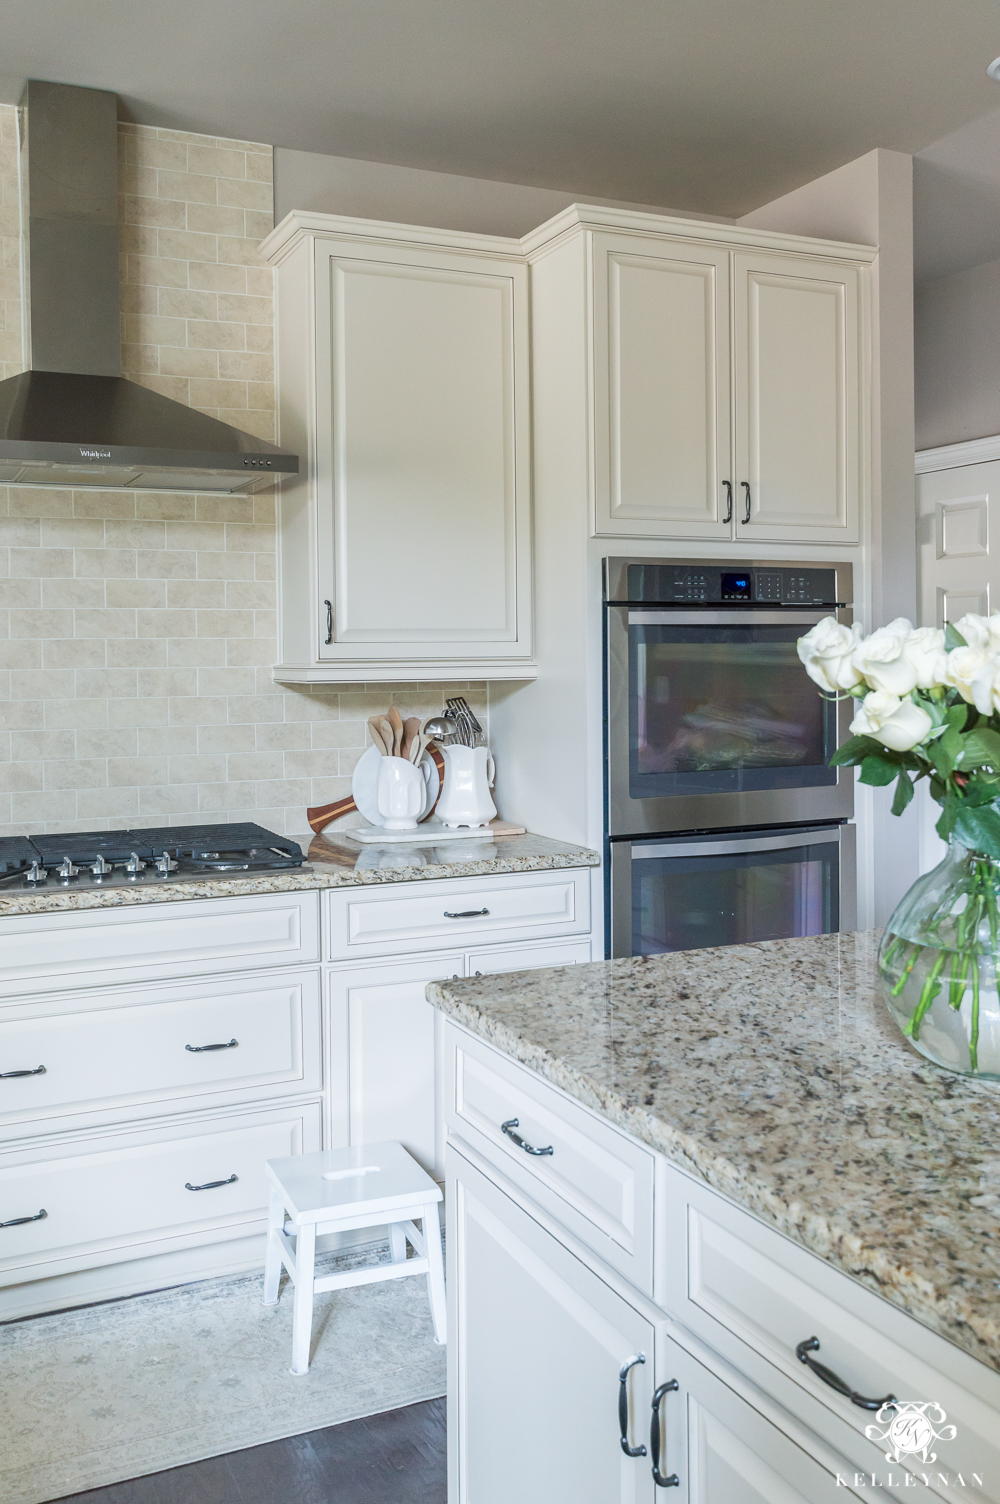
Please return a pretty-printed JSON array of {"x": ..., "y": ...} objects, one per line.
[{"x": 704, "y": 584}]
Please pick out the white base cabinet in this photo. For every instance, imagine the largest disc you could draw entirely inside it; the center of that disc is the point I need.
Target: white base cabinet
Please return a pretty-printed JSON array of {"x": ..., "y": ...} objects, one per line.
[
  {"x": 543, "y": 1315},
  {"x": 153, "y": 1057},
  {"x": 537, "y": 1344}
]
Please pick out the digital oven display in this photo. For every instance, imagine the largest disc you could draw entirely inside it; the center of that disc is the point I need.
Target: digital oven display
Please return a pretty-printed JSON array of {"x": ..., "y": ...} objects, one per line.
[{"x": 736, "y": 587}]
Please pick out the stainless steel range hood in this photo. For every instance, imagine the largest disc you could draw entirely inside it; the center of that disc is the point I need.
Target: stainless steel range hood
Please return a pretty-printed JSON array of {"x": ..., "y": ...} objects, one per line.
[{"x": 73, "y": 419}]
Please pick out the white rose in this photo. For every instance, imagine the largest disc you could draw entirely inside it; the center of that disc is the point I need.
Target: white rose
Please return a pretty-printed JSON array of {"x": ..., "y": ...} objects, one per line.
[
  {"x": 826, "y": 652},
  {"x": 924, "y": 650},
  {"x": 896, "y": 723},
  {"x": 975, "y": 629},
  {"x": 881, "y": 659},
  {"x": 984, "y": 688},
  {"x": 963, "y": 665}
]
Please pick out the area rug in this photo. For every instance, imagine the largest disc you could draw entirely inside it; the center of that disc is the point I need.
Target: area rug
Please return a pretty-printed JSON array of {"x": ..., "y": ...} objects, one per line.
[{"x": 94, "y": 1396}]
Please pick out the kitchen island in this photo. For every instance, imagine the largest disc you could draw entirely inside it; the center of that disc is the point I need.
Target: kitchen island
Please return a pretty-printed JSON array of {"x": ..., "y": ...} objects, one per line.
[{"x": 809, "y": 1176}]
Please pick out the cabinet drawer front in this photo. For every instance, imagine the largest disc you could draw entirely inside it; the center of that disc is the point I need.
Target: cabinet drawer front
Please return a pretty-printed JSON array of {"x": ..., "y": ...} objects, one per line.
[
  {"x": 138, "y": 1049},
  {"x": 735, "y": 1275},
  {"x": 597, "y": 1182},
  {"x": 523, "y": 907},
  {"x": 97, "y": 946},
  {"x": 483, "y": 963},
  {"x": 110, "y": 1191}
]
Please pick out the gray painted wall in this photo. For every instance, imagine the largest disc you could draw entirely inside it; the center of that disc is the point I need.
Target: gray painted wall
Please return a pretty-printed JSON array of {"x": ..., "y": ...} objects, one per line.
[{"x": 957, "y": 354}]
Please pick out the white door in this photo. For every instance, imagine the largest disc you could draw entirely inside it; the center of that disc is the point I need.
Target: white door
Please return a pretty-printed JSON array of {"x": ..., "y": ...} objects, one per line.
[
  {"x": 384, "y": 1052},
  {"x": 536, "y": 1343},
  {"x": 798, "y": 379},
  {"x": 958, "y": 512},
  {"x": 423, "y": 459},
  {"x": 661, "y": 388}
]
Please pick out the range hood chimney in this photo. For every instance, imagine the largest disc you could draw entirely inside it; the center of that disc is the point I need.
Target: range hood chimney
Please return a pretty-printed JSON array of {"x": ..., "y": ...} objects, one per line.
[{"x": 73, "y": 419}]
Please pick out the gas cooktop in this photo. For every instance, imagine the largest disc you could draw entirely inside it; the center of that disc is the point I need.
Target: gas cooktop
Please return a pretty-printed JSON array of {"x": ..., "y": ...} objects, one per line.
[{"x": 115, "y": 858}]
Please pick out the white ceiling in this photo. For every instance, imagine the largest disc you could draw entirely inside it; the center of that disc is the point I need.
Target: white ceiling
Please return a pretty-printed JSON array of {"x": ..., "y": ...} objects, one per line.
[
  {"x": 707, "y": 105},
  {"x": 956, "y": 200}
]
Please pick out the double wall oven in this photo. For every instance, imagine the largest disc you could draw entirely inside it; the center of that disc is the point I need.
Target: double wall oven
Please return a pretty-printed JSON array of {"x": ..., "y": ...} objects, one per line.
[{"x": 724, "y": 822}]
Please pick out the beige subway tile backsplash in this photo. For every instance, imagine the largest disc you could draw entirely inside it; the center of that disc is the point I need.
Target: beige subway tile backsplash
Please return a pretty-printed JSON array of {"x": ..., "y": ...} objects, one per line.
[{"x": 137, "y": 629}]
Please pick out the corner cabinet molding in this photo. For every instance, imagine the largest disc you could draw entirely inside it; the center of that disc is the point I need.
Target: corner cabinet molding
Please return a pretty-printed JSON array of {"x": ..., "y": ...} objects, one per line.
[
  {"x": 957, "y": 456},
  {"x": 405, "y": 541}
]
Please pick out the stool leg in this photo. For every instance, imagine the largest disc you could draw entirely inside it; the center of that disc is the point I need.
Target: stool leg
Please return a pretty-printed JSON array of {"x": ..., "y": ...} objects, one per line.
[
  {"x": 435, "y": 1270},
  {"x": 302, "y": 1310},
  {"x": 397, "y": 1243},
  {"x": 272, "y": 1258}
]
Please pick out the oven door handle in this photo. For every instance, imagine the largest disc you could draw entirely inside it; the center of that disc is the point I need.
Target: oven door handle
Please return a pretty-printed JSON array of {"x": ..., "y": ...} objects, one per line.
[{"x": 742, "y": 616}]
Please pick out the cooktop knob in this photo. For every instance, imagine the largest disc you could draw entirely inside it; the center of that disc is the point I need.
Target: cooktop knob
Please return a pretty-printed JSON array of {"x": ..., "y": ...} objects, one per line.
[
  {"x": 101, "y": 868},
  {"x": 66, "y": 869},
  {"x": 35, "y": 874},
  {"x": 165, "y": 864},
  {"x": 134, "y": 866}
]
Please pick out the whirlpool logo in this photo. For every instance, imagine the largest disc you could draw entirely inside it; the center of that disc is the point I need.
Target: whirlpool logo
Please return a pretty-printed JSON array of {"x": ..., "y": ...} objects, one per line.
[
  {"x": 95, "y": 454},
  {"x": 910, "y": 1429}
]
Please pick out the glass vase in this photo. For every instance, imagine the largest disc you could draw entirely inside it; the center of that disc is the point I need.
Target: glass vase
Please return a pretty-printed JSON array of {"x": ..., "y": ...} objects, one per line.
[{"x": 938, "y": 964}]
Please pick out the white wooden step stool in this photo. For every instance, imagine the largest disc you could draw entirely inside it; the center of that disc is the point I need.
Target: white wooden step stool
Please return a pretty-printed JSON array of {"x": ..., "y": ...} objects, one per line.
[{"x": 336, "y": 1190}]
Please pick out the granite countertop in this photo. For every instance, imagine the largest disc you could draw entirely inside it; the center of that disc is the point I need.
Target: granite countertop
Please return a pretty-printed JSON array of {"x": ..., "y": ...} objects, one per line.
[
  {"x": 774, "y": 1073},
  {"x": 332, "y": 862}
]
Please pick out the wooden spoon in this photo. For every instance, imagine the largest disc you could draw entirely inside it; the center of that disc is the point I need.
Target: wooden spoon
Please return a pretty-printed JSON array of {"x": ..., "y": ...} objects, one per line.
[
  {"x": 388, "y": 736},
  {"x": 411, "y": 735},
  {"x": 396, "y": 722},
  {"x": 378, "y": 740}
]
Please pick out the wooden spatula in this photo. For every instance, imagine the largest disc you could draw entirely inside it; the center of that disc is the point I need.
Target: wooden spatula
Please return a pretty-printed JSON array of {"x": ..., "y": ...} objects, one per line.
[
  {"x": 396, "y": 722},
  {"x": 411, "y": 735}
]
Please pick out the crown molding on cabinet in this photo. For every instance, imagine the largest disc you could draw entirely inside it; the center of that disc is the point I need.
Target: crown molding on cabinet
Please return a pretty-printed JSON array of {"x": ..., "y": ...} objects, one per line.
[
  {"x": 954, "y": 456},
  {"x": 299, "y": 224}
]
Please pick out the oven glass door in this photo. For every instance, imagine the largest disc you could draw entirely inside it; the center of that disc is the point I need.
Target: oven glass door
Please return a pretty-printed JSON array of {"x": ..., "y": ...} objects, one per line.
[
  {"x": 721, "y": 706},
  {"x": 693, "y": 893}
]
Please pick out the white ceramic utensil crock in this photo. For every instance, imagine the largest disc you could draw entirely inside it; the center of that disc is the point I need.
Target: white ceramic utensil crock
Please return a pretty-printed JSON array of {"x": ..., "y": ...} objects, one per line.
[
  {"x": 401, "y": 792},
  {"x": 468, "y": 778}
]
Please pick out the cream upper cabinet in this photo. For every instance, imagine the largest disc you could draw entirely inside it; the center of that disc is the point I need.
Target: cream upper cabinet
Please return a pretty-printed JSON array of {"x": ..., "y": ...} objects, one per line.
[
  {"x": 728, "y": 385},
  {"x": 662, "y": 388},
  {"x": 405, "y": 547},
  {"x": 797, "y": 349}
]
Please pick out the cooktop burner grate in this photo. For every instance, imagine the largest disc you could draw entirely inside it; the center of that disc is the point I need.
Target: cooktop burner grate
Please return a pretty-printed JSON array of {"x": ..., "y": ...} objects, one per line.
[{"x": 109, "y": 857}]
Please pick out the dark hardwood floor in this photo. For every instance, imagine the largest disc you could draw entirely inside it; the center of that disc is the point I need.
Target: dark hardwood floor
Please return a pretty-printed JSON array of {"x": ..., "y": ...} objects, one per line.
[{"x": 394, "y": 1458}]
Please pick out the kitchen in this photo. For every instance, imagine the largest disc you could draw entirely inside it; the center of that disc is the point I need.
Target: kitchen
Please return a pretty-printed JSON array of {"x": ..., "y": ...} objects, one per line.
[{"x": 633, "y": 395}]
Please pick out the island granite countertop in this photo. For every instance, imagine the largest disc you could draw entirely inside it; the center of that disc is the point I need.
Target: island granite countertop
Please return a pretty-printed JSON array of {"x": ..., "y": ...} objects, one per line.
[
  {"x": 333, "y": 861},
  {"x": 773, "y": 1072}
]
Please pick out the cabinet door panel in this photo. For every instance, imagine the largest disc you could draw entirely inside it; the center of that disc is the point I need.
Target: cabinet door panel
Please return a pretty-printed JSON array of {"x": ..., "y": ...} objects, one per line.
[
  {"x": 661, "y": 347},
  {"x": 426, "y": 455},
  {"x": 798, "y": 397},
  {"x": 536, "y": 1342},
  {"x": 383, "y": 1056}
]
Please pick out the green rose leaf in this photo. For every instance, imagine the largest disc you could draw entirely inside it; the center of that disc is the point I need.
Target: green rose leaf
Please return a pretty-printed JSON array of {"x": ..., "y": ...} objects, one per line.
[
  {"x": 945, "y": 752},
  {"x": 878, "y": 770},
  {"x": 949, "y": 813},
  {"x": 903, "y": 794},
  {"x": 978, "y": 829},
  {"x": 854, "y": 750},
  {"x": 980, "y": 748},
  {"x": 958, "y": 715},
  {"x": 953, "y": 638}
]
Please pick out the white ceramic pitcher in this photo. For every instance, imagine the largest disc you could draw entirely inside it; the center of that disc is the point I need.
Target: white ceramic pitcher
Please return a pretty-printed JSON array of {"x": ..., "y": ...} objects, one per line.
[
  {"x": 401, "y": 792},
  {"x": 468, "y": 778}
]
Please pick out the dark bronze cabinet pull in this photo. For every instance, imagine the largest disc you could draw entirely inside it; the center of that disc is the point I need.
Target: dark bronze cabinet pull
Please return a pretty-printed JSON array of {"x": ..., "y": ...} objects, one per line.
[
  {"x": 210, "y": 1185},
  {"x": 467, "y": 914},
  {"x": 516, "y": 1138},
  {"x": 9, "y": 1075},
  {"x": 329, "y": 622},
  {"x": 19, "y": 1221},
  {"x": 811, "y": 1345},
  {"x": 654, "y": 1437},
  {"x": 199, "y": 1049},
  {"x": 729, "y": 501},
  {"x": 746, "y": 486},
  {"x": 639, "y": 1451}
]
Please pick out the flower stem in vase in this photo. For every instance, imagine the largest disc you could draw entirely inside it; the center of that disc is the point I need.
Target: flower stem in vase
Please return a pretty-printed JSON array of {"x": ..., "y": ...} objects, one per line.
[
  {"x": 931, "y": 988},
  {"x": 974, "y": 1032}
]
